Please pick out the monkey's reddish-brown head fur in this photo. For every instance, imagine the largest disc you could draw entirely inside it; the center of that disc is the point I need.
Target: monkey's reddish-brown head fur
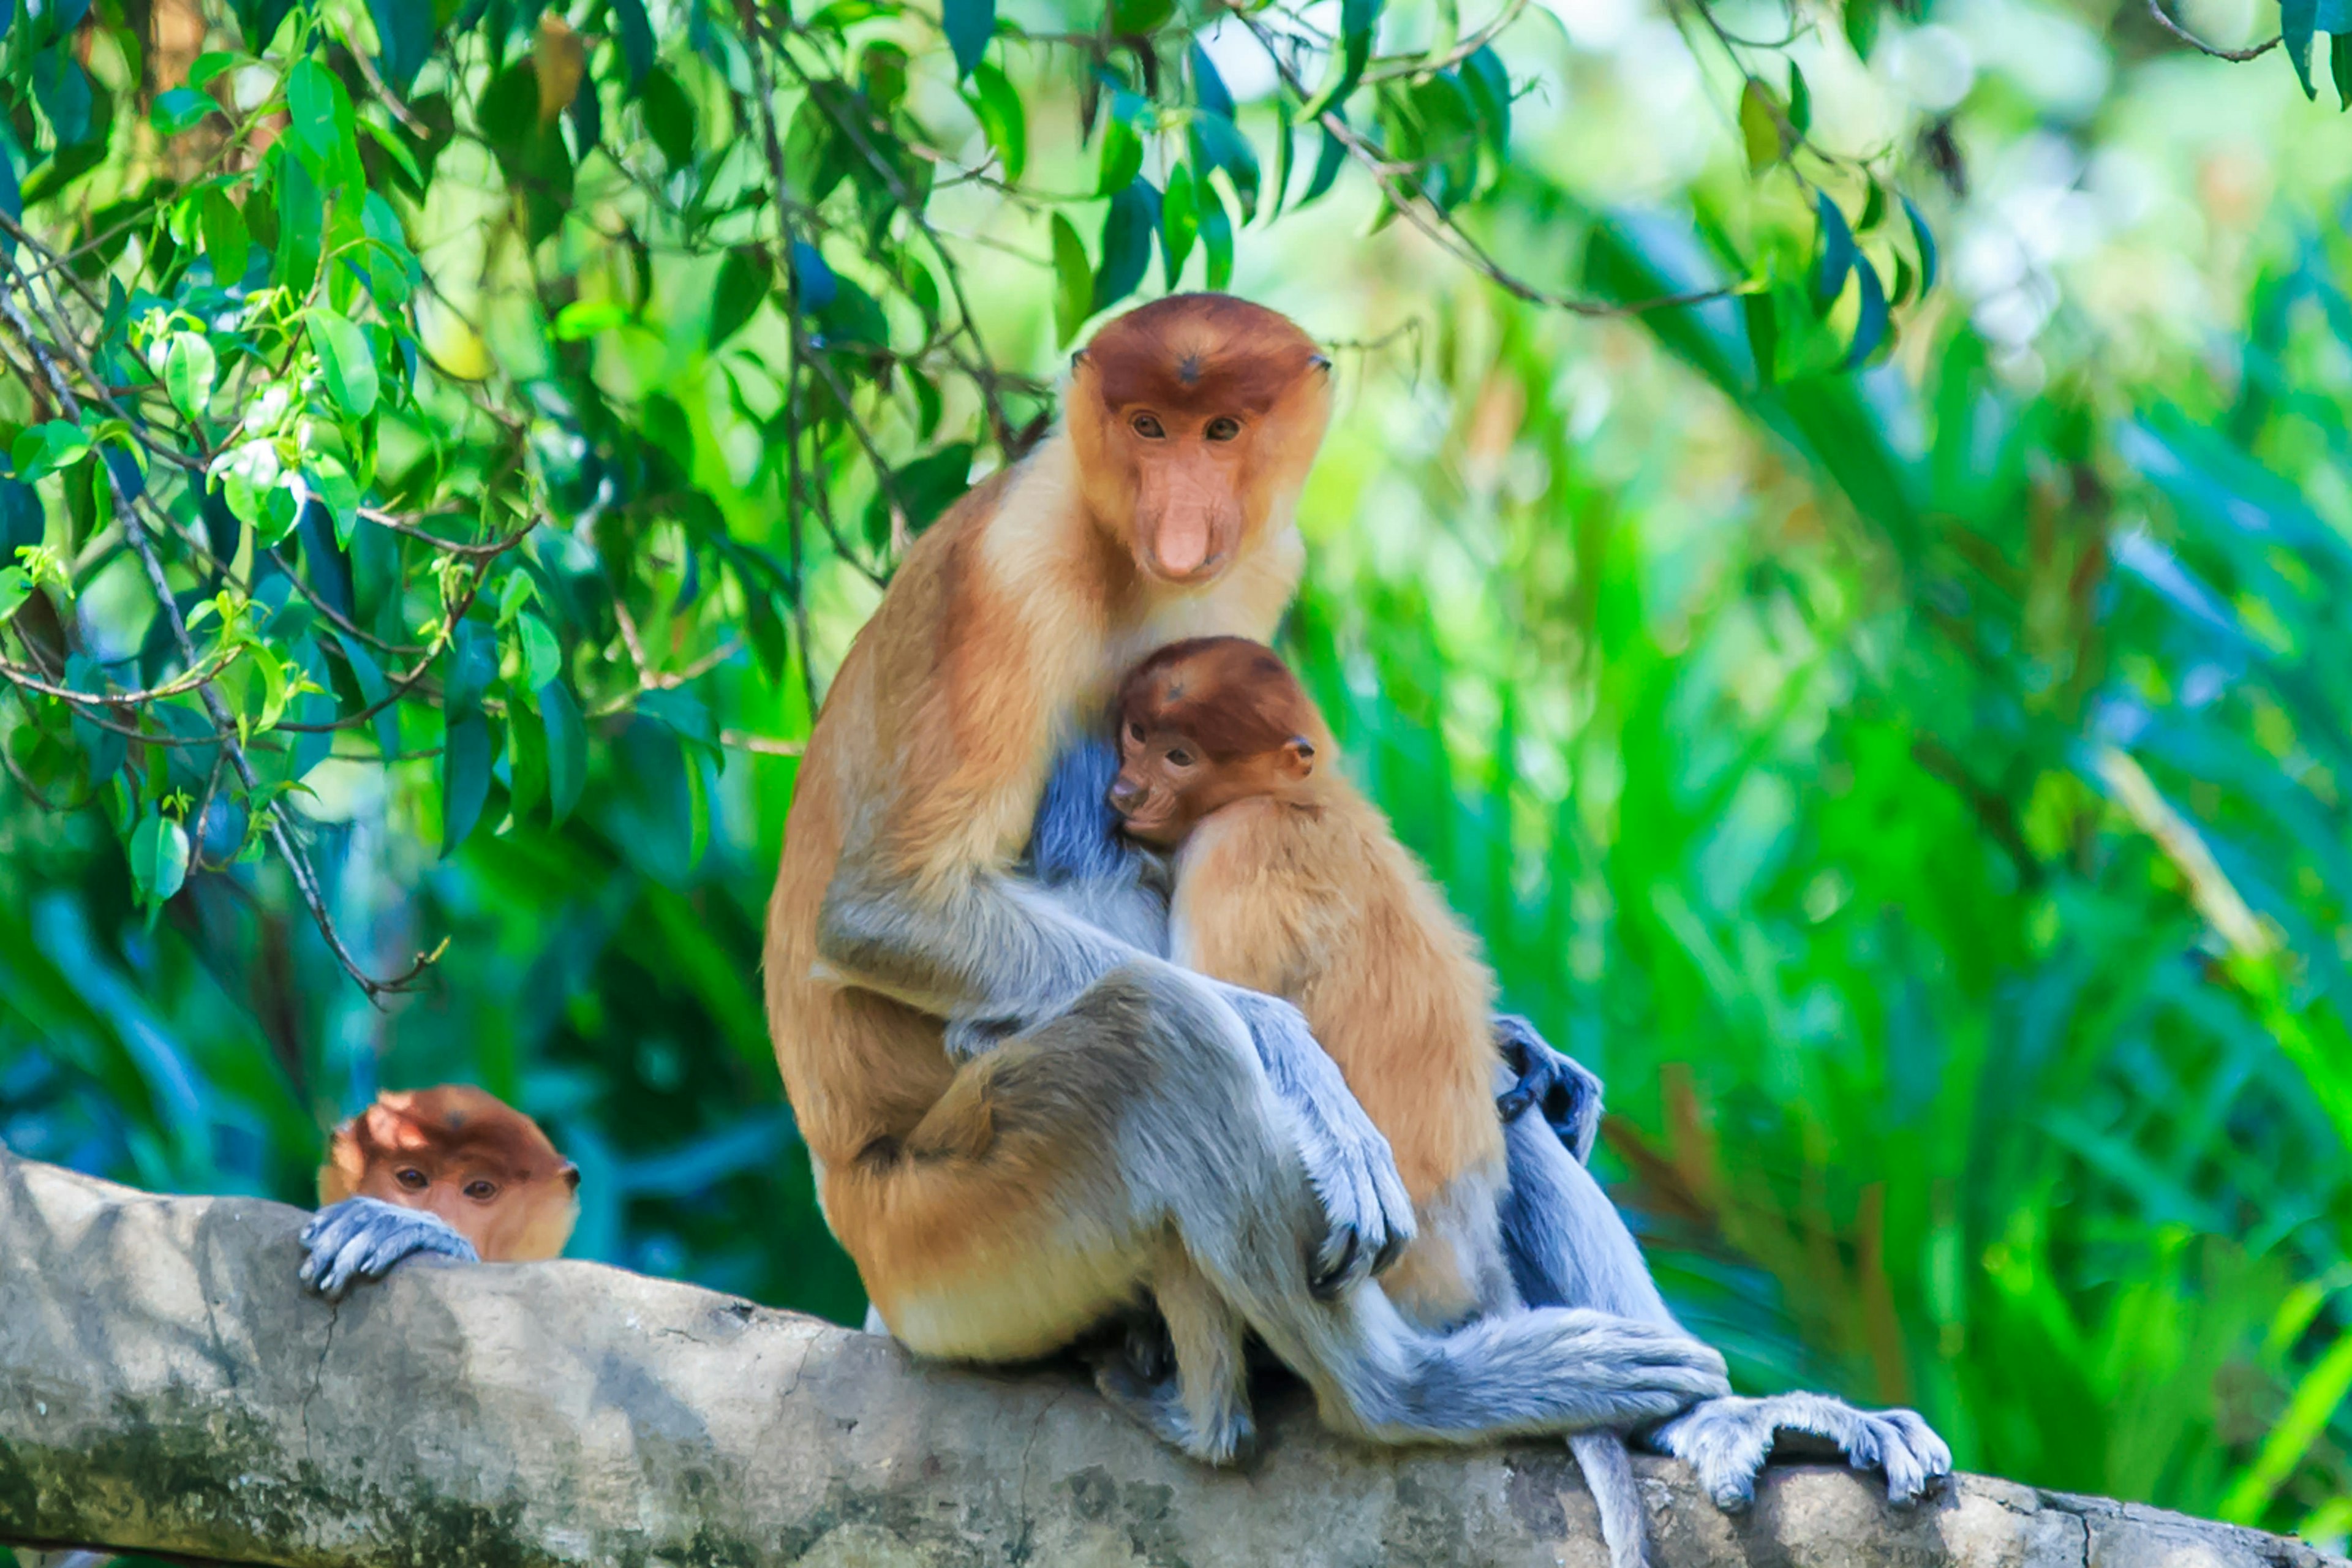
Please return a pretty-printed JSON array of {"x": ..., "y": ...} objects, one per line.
[
  {"x": 463, "y": 1154},
  {"x": 1195, "y": 418},
  {"x": 1204, "y": 723}
]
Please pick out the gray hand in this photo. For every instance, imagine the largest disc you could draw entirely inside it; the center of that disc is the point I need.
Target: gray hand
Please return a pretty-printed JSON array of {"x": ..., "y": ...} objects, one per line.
[{"x": 363, "y": 1238}]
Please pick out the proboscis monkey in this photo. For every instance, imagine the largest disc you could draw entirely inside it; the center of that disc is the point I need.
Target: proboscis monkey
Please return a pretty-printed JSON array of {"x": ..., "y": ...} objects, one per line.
[
  {"x": 1023, "y": 1123},
  {"x": 1287, "y": 879},
  {"x": 453, "y": 1171}
]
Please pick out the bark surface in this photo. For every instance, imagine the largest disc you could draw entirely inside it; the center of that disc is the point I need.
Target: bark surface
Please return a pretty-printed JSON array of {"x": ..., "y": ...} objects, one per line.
[{"x": 166, "y": 1387}]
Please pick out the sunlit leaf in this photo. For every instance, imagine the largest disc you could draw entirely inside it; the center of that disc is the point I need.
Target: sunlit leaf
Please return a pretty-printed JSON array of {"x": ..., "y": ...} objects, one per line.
[
  {"x": 1926, "y": 241},
  {"x": 159, "y": 858},
  {"x": 43, "y": 449},
  {"x": 743, "y": 281},
  {"x": 1759, "y": 126},
  {"x": 181, "y": 110},
  {"x": 1328, "y": 158},
  {"x": 345, "y": 361},
  {"x": 189, "y": 366},
  {"x": 1120, "y": 157},
  {"x": 1218, "y": 143},
  {"x": 1179, "y": 221},
  {"x": 1357, "y": 21},
  {"x": 997, "y": 105},
  {"x": 1216, "y": 237}
]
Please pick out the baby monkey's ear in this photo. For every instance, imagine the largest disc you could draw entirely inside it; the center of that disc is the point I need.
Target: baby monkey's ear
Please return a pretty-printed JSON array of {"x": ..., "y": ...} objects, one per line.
[{"x": 1297, "y": 757}]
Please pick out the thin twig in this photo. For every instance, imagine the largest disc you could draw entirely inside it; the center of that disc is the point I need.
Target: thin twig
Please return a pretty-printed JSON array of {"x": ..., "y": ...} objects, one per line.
[{"x": 2155, "y": 9}]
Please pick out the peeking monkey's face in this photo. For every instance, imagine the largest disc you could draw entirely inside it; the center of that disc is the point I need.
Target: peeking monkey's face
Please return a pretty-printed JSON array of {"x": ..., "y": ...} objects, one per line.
[
  {"x": 1194, "y": 419},
  {"x": 1202, "y": 725}
]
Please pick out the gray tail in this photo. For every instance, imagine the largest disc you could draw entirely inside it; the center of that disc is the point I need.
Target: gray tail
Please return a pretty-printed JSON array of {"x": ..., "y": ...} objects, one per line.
[{"x": 1608, "y": 1476}]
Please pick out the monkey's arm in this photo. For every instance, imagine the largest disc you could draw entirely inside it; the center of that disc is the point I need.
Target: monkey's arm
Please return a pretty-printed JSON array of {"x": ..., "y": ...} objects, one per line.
[
  {"x": 362, "y": 1238},
  {"x": 1562, "y": 1088},
  {"x": 996, "y": 954}
]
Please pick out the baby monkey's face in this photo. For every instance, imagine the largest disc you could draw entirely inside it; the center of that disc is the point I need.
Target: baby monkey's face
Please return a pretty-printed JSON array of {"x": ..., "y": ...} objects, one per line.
[{"x": 1167, "y": 782}]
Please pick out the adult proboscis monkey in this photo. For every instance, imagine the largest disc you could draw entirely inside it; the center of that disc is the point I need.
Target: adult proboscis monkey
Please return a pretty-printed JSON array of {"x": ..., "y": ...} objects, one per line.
[{"x": 1020, "y": 1121}]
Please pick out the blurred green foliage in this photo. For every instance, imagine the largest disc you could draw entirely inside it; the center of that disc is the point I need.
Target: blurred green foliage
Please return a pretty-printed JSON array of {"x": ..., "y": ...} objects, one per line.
[{"x": 1891, "y": 717}]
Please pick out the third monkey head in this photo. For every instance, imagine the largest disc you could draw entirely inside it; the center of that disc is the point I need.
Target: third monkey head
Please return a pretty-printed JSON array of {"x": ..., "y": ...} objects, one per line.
[
  {"x": 1204, "y": 723},
  {"x": 465, "y": 1155},
  {"x": 1195, "y": 418}
]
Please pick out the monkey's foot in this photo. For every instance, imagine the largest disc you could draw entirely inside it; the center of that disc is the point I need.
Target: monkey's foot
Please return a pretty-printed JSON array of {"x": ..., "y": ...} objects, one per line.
[
  {"x": 1228, "y": 1436},
  {"x": 1727, "y": 1440},
  {"x": 363, "y": 1238}
]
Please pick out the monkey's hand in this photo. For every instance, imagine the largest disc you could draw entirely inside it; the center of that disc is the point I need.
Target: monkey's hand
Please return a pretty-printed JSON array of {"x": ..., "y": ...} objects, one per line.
[
  {"x": 362, "y": 1238},
  {"x": 1564, "y": 1089},
  {"x": 1368, "y": 1216}
]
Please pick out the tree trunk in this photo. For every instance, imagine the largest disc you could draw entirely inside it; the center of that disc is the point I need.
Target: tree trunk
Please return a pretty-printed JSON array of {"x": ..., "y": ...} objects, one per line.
[{"x": 166, "y": 1387}]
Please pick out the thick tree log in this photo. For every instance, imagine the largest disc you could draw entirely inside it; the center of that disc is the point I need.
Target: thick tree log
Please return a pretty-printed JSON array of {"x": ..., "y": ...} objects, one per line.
[{"x": 164, "y": 1387}]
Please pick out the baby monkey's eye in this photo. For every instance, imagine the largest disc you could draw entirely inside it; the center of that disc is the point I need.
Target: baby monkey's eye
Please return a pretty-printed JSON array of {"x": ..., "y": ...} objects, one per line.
[
  {"x": 1147, "y": 427},
  {"x": 413, "y": 1179},
  {"x": 1135, "y": 733},
  {"x": 481, "y": 1192},
  {"x": 1223, "y": 429},
  {"x": 1180, "y": 757}
]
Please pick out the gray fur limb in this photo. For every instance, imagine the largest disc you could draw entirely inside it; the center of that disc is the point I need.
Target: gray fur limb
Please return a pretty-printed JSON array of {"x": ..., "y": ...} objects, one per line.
[
  {"x": 363, "y": 1238},
  {"x": 1608, "y": 1476}
]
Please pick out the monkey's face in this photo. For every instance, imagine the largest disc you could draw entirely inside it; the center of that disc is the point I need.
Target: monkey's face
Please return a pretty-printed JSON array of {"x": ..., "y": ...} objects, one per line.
[
  {"x": 466, "y": 1157},
  {"x": 1194, "y": 419},
  {"x": 1167, "y": 784}
]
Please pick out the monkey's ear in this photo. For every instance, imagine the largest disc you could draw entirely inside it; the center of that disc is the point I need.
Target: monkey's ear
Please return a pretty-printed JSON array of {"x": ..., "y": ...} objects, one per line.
[
  {"x": 1320, "y": 362},
  {"x": 1298, "y": 756},
  {"x": 571, "y": 1175},
  {"x": 1078, "y": 360}
]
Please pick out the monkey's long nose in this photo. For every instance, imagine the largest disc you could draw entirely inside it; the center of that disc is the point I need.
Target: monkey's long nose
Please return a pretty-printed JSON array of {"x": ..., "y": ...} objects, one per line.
[{"x": 1125, "y": 796}]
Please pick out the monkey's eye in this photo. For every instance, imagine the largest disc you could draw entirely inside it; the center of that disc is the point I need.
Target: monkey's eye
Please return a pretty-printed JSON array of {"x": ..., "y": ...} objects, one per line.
[
  {"x": 1135, "y": 733},
  {"x": 1179, "y": 758},
  {"x": 411, "y": 1178},
  {"x": 481, "y": 1192},
  {"x": 1223, "y": 429},
  {"x": 1147, "y": 427}
]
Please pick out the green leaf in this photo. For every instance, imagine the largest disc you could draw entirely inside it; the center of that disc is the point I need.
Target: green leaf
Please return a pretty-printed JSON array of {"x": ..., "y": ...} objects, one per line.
[
  {"x": 159, "y": 858},
  {"x": 583, "y": 318},
  {"x": 685, "y": 714},
  {"x": 1122, "y": 148},
  {"x": 744, "y": 278},
  {"x": 1489, "y": 87},
  {"x": 1358, "y": 20},
  {"x": 208, "y": 66},
  {"x": 567, "y": 749},
  {"x": 1763, "y": 336},
  {"x": 1838, "y": 254},
  {"x": 1128, "y": 227},
  {"x": 226, "y": 239},
  {"x": 1180, "y": 222},
  {"x": 542, "y": 654},
  {"x": 669, "y": 120},
  {"x": 15, "y": 587},
  {"x": 1284, "y": 155},
  {"x": 1869, "y": 324},
  {"x": 465, "y": 760},
  {"x": 404, "y": 30},
  {"x": 2340, "y": 66},
  {"x": 997, "y": 105},
  {"x": 1759, "y": 126},
  {"x": 1140, "y": 18},
  {"x": 42, "y": 449},
  {"x": 526, "y": 762},
  {"x": 345, "y": 361},
  {"x": 373, "y": 690},
  {"x": 2297, "y": 20},
  {"x": 189, "y": 367},
  {"x": 1926, "y": 243},
  {"x": 932, "y": 483},
  {"x": 467, "y": 667},
  {"x": 1217, "y": 144},
  {"x": 1800, "y": 100},
  {"x": 1328, "y": 161},
  {"x": 1217, "y": 239},
  {"x": 311, "y": 91},
  {"x": 181, "y": 110},
  {"x": 1208, "y": 88},
  {"x": 1861, "y": 21},
  {"x": 969, "y": 24},
  {"x": 1074, "y": 284},
  {"x": 636, "y": 35}
]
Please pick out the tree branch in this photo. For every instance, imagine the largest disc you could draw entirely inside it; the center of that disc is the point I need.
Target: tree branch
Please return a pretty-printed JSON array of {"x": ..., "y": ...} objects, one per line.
[{"x": 164, "y": 1387}]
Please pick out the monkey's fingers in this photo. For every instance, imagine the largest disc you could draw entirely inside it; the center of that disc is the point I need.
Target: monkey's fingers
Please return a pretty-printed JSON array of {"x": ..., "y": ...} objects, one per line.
[{"x": 1916, "y": 1460}]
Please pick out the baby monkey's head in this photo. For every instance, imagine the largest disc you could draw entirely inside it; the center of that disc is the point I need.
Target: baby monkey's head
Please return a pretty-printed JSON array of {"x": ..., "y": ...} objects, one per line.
[{"x": 1204, "y": 723}]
